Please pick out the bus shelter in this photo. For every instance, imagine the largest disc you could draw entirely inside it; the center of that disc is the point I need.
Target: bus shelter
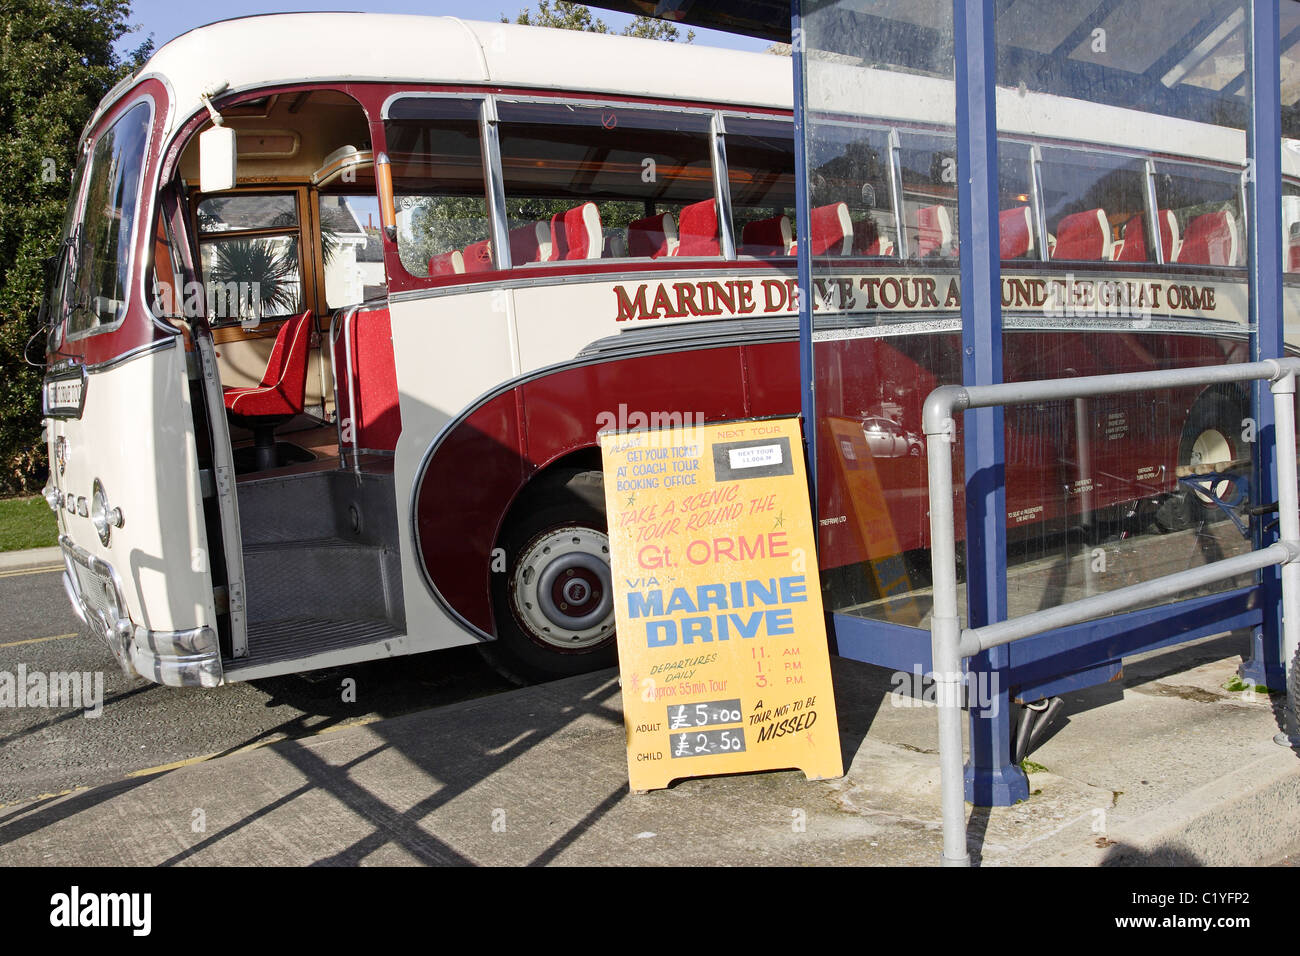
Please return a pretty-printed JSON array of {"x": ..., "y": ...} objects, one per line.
[{"x": 1006, "y": 191}]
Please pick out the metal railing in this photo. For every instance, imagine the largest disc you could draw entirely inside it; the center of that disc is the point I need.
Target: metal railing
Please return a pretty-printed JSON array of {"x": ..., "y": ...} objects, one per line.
[{"x": 952, "y": 644}]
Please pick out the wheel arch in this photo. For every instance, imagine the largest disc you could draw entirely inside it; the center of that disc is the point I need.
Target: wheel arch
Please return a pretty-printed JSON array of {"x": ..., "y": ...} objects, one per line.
[{"x": 533, "y": 427}]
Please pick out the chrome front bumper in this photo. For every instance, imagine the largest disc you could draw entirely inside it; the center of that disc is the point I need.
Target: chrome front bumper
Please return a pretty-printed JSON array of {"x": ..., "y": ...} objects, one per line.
[{"x": 177, "y": 658}]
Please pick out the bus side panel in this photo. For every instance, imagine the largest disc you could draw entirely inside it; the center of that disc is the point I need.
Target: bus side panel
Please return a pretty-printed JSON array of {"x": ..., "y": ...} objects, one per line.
[
  {"x": 448, "y": 351},
  {"x": 459, "y": 509}
]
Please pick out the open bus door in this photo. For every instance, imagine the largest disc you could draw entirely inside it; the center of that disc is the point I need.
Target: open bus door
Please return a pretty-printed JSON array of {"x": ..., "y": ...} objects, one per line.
[{"x": 215, "y": 459}]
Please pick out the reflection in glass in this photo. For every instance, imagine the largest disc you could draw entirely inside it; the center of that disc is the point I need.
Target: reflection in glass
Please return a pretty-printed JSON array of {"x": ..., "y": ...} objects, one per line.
[{"x": 1119, "y": 227}]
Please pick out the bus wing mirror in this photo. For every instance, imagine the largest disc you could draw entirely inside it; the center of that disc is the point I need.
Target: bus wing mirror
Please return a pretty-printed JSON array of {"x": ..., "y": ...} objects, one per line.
[{"x": 217, "y": 160}]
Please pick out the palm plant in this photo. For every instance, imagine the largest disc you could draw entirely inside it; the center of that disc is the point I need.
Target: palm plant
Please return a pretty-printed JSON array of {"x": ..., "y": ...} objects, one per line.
[{"x": 264, "y": 271}]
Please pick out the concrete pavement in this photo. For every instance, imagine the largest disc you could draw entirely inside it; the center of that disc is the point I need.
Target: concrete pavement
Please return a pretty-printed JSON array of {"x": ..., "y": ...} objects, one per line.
[
  {"x": 30, "y": 558},
  {"x": 1165, "y": 766}
]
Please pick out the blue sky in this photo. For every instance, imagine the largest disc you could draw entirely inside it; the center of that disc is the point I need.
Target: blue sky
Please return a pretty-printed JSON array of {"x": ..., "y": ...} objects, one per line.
[{"x": 166, "y": 19}]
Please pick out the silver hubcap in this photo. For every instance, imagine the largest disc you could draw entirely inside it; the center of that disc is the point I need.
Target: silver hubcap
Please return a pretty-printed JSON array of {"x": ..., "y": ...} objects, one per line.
[{"x": 562, "y": 588}]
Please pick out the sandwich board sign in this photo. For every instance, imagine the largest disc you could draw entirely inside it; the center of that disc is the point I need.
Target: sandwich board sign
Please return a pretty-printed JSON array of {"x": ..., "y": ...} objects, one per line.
[{"x": 721, "y": 634}]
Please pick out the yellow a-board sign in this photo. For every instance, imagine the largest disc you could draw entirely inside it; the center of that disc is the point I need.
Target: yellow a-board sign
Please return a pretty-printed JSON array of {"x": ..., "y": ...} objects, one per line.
[{"x": 721, "y": 635}]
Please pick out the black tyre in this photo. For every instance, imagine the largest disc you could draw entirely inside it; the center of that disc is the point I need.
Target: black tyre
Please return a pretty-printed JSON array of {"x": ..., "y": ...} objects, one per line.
[
  {"x": 554, "y": 603},
  {"x": 1213, "y": 433}
]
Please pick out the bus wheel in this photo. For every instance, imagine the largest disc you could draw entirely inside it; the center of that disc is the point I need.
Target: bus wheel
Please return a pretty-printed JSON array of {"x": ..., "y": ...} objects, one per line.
[
  {"x": 554, "y": 604},
  {"x": 1213, "y": 433}
]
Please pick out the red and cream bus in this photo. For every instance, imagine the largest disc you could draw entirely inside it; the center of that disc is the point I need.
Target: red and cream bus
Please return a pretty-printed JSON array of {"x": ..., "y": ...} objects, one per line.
[{"x": 346, "y": 299}]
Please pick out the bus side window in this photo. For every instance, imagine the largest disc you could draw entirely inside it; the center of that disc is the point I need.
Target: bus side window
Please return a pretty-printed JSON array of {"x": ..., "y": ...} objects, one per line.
[
  {"x": 437, "y": 166},
  {"x": 760, "y": 175},
  {"x": 351, "y": 248},
  {"x": 1290, "y": 227},
  {"x": 850, "y": 165},
  {"x": 928, "y": 165},
  {"x": 601, "y": 182},
  {"x": 100, "y": 284},
  {"x": 248, "y": 250},
  {"x": 1016, "y": 239},
  {"x": 1095, "y": 206},
  {"x": 1204, "y": 204}
]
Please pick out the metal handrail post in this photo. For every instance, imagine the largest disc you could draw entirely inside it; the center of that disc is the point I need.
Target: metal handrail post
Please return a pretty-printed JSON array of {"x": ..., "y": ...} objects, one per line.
[
  {"x": 945, "y": 636},
  {"x": 950, "y": 644}
]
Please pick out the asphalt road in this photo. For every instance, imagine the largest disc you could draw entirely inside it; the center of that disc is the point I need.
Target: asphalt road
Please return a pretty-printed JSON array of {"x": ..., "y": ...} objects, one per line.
[{"x": 142, "y": 726}]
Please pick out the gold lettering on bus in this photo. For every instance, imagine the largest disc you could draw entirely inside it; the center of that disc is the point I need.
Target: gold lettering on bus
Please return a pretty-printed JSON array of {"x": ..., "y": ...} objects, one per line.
[{"x": 1054, "y": 296}]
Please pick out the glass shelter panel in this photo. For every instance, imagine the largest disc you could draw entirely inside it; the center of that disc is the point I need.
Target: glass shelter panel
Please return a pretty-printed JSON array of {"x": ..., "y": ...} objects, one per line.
[
  {"x": 1121, "y": 233},
  {"x": 1289, "y": 68},
  {"x": 1135, "y": 114},
  {"x": 883, "y": 180}
]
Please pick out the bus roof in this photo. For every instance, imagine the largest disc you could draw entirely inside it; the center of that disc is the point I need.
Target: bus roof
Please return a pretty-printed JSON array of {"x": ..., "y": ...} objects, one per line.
[
  {"x": 366, "y": 47},
  {"x": 283, "y": 48}
]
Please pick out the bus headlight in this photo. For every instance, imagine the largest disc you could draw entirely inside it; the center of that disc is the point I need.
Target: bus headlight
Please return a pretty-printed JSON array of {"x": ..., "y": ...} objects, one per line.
[
  {"x": 51, "y": 496},
  {"x": 104, "y": 518}
]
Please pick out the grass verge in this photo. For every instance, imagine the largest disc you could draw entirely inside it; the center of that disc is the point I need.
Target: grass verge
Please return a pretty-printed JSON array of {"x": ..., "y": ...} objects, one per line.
[{"x": 27, "y": 523}]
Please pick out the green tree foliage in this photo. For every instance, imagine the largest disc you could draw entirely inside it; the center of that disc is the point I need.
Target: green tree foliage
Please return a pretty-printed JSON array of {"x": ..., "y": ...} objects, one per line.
[
  {"x": 575, "y": 16},
  {"x": 57, "y": 60}
]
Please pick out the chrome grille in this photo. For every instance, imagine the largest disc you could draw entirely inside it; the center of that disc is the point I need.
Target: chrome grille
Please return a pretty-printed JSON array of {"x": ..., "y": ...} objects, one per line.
[{"x": 95, "y": 585}]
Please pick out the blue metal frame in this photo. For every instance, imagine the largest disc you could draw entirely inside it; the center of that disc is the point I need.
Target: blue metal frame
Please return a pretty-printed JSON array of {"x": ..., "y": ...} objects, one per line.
[
  {"x": 1264, "y": 265},
  {"x": 992, "y": 777}
]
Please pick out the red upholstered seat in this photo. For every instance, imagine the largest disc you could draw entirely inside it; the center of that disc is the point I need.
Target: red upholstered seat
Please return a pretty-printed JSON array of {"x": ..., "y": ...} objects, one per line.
[
  {"x": 576, "y": 234},
  {"x": 284, "y": 384},
  {"x": 1015, "y": 232},
  {"x": 832, "y": 230},
  {"x": 1211, "y": 240},
  {"x": 1133, "y": 248},
  {"x": 653, "y": 236},
  {"x": 867, "y": 240},
  {"x": 933, "y": 231},
  {"x": 1083, "y": 235},
  {"x": 280, "y": 394},
  {"x": 366, "y": 376},
  {"x": 697, "y": 229},
  {"x": 767, "y": 237},
  {"x": 530, "y": 242},
  {"x": 447, "y": 263},
  {"x": 478, "y": 256}
]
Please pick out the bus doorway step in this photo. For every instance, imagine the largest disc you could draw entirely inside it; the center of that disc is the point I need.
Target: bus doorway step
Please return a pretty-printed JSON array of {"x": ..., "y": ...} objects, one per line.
[{"x": 270, "y": 642}]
